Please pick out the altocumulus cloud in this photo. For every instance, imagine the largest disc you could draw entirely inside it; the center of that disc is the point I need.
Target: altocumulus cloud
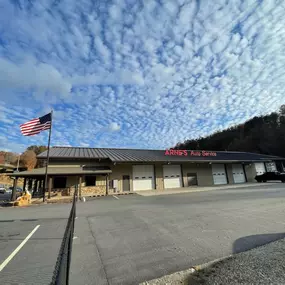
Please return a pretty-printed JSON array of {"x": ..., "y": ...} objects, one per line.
[
  {"x": 138, "y": 73},
  {"x": 114, "y": 127}
]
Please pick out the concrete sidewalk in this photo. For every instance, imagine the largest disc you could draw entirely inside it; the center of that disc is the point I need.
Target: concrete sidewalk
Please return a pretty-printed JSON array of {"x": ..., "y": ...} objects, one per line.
[{"x": 201, "y": 189}]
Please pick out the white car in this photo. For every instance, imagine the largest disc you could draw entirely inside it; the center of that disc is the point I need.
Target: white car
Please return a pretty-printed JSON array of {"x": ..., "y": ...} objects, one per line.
[{"x": 9, "y": 190}]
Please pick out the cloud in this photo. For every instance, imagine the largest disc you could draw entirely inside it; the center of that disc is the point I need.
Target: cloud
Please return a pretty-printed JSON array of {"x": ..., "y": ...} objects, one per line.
[
  {"x": 114, "y": 127},
  {"x": 107, "y": 78},
  {"x": 29, "y": 75},
  {"x": 165, "y": 70},
  {"x": 102, "y": 49}
]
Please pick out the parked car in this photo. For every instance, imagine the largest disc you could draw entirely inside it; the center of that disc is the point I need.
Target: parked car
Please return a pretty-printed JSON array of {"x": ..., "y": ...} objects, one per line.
[
  {"x": 277, "y": 176},
  {"x": 9, "y": 190},
  {"x": 18, "y": 189},
  {"x": 2, "y": 189}
]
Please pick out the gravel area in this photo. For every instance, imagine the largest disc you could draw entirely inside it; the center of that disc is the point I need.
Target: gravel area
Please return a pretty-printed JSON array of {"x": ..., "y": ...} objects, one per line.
[{"x": 262, "y": 265}]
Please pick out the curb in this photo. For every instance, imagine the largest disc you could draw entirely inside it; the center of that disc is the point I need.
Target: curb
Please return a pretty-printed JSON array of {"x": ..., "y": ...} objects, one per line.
[
  {"x": 214, "y": 188},
  {"x": 181, "y": 277},
  {"x": 207, "y": 264},
  {"x": 110, "y": 194}
]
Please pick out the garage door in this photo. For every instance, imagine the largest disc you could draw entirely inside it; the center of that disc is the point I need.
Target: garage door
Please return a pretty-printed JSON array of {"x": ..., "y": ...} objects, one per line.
[
  {"x": 172, "y": 176},
  {"x": 143, "y": 177},
  {"x": 270, "y": 166},
  {"x": 260, "y": 168},
  {"x": 219, "y": 174},
  {"x": 238, "y": 173}
]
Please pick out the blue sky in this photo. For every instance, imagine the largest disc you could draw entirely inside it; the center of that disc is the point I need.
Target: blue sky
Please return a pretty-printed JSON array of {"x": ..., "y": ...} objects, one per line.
[{"x": 139, "y": 74}]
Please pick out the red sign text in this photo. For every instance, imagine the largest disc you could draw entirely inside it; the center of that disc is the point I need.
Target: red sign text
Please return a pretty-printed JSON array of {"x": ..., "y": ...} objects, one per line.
[{"x": 178, "y": 152}]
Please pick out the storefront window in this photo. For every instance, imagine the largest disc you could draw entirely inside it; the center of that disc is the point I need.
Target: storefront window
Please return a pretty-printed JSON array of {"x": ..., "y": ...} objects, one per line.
[
  {"x": 59, "y": 182},
  {"x": 90, "y": 180}
]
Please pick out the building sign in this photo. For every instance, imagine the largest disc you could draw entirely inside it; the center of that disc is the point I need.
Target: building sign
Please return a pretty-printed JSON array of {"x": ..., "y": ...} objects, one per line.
[{"x": 178, "y": 152}]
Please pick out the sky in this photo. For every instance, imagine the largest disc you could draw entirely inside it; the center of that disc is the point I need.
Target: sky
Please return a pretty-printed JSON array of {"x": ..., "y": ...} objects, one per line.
[{"x": 137, "y": 74}]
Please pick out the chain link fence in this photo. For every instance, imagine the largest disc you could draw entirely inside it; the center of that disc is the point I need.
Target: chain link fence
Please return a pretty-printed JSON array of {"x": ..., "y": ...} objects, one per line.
[{"x": 62, "y": 267}]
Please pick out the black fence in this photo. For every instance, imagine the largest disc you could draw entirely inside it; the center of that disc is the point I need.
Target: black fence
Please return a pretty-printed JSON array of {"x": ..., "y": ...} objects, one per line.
[{"x": 62, "y": 267}]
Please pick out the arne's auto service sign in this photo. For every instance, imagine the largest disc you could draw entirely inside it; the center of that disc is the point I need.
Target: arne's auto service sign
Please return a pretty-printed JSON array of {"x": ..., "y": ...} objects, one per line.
[{"x": 178, "y": 152}]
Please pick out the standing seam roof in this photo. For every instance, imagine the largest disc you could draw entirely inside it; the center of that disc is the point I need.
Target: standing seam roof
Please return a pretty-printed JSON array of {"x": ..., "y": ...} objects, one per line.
[{"x": 139, "y": 155}]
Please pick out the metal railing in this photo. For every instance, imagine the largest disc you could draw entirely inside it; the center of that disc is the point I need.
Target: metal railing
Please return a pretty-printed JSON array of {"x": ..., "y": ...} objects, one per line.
[{"x": 62, "y": 267}]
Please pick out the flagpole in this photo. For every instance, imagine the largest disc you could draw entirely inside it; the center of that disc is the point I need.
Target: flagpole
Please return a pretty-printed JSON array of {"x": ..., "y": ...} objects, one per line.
[{"x": 47, "y": 162}]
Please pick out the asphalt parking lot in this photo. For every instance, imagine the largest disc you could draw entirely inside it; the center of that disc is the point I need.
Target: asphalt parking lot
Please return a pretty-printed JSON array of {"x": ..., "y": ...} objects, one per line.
[
  {"x": 35, "y": 261},
  {"x": 130, "y": 239},
  {"x": 136, "y": 238}
]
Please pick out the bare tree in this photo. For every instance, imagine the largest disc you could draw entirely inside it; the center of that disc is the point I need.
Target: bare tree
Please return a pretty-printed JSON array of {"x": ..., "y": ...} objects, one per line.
[{"x": 28, "y": 159}]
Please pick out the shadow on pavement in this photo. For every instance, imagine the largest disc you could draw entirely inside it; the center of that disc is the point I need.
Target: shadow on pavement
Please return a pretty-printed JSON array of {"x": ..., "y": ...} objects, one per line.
[{"x": 249, "y": 242}]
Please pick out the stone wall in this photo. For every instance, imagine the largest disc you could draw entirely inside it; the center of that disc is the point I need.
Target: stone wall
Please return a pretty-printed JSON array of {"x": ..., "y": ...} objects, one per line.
[
  {"x": 62, "y": 191},
  {"x": 91, "y": 190}
]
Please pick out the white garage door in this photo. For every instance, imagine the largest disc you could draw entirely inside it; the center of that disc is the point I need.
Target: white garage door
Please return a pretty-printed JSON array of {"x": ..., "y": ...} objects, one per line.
[
  {"x": 219, "y": 174},
  {"x": 143, "y": 177},
  {"x": 259, "y": 168},
  {"x": 172, "y": 176},
  {"x": 238, "y": 173}
]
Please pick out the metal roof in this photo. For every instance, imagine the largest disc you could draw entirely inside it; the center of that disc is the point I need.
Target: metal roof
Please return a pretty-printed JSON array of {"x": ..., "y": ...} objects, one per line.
[
  {"x": 144, "y": 155},
  {"x": 60, "y": 171},
  {"x": 7, "y": 166}
]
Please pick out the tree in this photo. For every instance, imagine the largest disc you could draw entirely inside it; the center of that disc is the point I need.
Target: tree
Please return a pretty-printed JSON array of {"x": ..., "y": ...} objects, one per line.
[
  {"x": 37, "y": 148},
  {"x": 263, "y": 134},
  {"x": 28, "y": 159},
  {"x": 2, "y": 157},
  {"x": 7, "y": 157}
]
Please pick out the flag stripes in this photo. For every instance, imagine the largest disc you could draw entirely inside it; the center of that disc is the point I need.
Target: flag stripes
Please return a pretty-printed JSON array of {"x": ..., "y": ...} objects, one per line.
[{"x": 35, "y": 126}]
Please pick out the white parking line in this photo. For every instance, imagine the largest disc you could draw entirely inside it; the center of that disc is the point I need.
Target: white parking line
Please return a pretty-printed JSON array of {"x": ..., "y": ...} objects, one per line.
[
  {"x": 115, "y": 197},
  {"x": 9, "y": 258}
]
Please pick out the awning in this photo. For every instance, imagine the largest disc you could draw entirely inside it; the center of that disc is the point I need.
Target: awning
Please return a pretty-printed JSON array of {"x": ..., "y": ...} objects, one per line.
[{"x": 66, "y": 171}]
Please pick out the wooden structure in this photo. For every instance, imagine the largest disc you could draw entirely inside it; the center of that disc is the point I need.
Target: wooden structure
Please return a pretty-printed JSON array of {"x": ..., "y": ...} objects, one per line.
[{"x": 34, "y": 181}]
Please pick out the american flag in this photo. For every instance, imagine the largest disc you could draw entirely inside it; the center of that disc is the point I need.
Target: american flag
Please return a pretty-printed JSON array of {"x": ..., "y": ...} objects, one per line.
[{"x": 35, "y": 126}]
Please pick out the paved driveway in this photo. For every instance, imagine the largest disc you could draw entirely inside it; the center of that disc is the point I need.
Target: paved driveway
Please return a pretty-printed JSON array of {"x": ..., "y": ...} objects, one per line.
[{"x": 137, "y": 238}]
